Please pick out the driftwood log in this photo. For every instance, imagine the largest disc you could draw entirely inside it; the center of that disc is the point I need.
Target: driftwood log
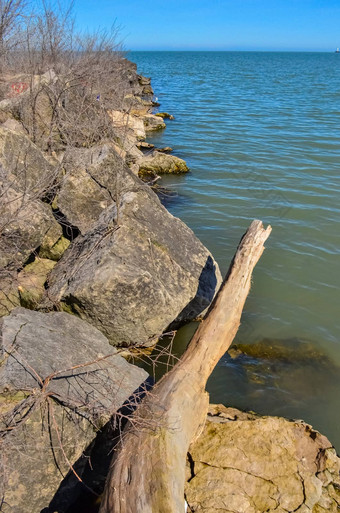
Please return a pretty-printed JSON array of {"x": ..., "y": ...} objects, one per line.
[{"x": 147, "y": 473}]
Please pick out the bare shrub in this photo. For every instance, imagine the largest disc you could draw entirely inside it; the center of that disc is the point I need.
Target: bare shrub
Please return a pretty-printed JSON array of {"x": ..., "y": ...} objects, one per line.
[
  {"x": 12, "y": 14},
  {"x": 70, "y": 80}
]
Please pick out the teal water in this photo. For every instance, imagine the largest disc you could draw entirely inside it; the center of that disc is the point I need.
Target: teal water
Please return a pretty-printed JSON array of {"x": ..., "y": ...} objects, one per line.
[{"x": 260, "y": 133}]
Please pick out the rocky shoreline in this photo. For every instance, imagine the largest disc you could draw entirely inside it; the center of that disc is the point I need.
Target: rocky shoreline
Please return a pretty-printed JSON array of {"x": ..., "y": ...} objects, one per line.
[
  {"x": 90, "y": 258},
  {"x": 102, "y": 246},
  {"x": 91, "y": 261}
]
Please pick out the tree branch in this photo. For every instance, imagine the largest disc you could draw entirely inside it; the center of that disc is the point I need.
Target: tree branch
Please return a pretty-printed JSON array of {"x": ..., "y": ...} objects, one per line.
[{"x": 147, "y": 474}]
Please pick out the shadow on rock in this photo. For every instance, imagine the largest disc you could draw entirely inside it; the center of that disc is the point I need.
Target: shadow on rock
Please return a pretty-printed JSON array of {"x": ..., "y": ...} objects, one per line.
[
  {"x": 74, "y": 496},
  {"x": 207, "y": 287}
]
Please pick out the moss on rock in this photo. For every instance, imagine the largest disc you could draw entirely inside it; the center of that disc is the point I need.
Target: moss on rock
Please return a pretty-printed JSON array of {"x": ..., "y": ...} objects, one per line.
[
  {"x": 165, "y": 115},
  {"x": 56, "y": 251},
  {"x": 162, "y": 163},
  {"x": 31, "y": 282}
]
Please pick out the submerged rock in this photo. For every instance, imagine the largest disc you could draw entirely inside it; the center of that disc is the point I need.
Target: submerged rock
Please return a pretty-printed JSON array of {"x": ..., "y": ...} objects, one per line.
[
  {"x": 290, "y": 368},
  {"x": 161, "y": 163},
  {"x": 249, "y": 464},
  {"x": 287, "y": 350},
  {"x": 165, "y": 115},
  {"x": 60, "y": 381},
  {"x": 289, "y": 377}
]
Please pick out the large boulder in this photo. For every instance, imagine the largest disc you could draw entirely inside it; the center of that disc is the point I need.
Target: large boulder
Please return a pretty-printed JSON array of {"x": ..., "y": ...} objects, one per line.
[
  {"x": 138, "y": 268},
  {"x": 26, "y": 225},
  {"x": 82, "y": 198},
  {"x": 23, "y": 166},
  {"x": 60, "y": 381},
  {"x": 251, "y": 464}
]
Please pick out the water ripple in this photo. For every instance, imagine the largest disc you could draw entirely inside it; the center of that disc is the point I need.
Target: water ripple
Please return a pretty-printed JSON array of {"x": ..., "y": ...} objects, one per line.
[{"x": 260, "y": 132}]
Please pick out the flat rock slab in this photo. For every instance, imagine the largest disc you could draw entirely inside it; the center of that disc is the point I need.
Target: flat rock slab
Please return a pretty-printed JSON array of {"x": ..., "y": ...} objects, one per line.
[
  {"x": 243, "y": 463},
  {"x": 48, "y": 424},
  {"x": 36, "y": 345}
]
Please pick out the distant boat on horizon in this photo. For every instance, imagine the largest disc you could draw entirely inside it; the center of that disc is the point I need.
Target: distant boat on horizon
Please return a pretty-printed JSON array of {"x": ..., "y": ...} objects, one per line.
[{"x": 337, "y": 50}]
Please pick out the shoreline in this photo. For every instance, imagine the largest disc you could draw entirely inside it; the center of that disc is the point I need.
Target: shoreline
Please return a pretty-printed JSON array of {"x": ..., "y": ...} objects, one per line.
[
  {"x": 88, "y": 253},
  {"x": 112, "y": 217}
]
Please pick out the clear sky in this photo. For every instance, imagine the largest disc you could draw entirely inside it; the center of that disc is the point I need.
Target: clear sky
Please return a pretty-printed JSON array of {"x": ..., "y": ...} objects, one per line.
[{"x": 217, "y": 24}]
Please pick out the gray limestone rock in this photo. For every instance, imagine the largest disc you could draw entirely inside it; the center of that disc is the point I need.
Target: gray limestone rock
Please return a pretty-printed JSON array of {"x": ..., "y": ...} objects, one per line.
[
  {"x": 23, "y": 166},
  {"x": 36, "y": 345},
  {"x": 82, "y": 197},
  {"x": 135, "y": 270},
  {"x": 26, "y": 225},
  {"x": 53, "y": 401}
]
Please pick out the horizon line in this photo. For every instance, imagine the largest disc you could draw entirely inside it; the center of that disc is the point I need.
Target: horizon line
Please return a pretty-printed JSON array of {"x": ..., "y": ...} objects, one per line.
[{"x": 220, "y": 50}]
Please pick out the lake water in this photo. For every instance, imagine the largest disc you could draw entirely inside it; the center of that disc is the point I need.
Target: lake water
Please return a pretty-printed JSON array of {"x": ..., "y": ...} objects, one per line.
[{"x": 261, "y": 135}]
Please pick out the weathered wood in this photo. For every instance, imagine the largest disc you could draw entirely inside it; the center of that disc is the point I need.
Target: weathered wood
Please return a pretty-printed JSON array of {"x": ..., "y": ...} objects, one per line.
[{"x": 147, "y": 474}]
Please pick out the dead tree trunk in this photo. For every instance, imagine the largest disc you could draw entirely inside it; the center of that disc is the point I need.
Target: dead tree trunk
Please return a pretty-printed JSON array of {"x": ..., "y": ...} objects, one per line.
[{"x": 147, "y": 473}]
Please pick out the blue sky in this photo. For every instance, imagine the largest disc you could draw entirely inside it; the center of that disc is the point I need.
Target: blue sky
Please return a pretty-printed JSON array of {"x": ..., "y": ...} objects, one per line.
[{"x": 217, "y": 24}]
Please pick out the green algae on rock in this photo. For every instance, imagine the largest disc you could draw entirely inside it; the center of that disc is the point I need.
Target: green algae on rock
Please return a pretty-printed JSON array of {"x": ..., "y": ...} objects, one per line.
[
  {"x": 162, "y": 163},
  {"x": 56, "y": 251},
  {"x": 9, "y": 294},
  {"x": 165, "y": 115},
  {"x": 112, "y": 275},
  {"x": 286, "y": 350},
  {"x": 31, "y": 281},
  {"x": 153, "y": 123}
]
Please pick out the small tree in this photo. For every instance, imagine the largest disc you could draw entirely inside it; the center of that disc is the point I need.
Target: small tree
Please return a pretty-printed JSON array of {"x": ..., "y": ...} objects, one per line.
[{"x": 11, "y": 17}]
